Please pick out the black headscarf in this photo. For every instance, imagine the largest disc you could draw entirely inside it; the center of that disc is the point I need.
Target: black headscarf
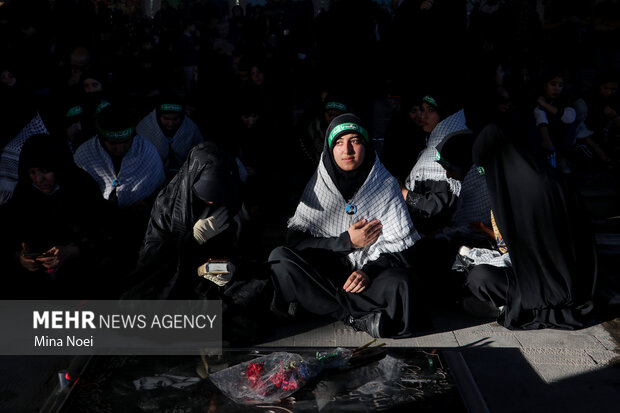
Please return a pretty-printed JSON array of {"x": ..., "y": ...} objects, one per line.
[
  {"x": 545, "y": 227},
  {"x": 347, "y": 182},
  {"x": 178, "y": 205},
  {"x": 51, "y": 153}
]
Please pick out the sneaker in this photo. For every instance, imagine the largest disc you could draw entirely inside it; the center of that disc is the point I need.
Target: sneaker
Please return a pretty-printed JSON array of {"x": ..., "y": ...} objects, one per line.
[
  {"x": 478, "y": 308},
  {"x": 370, "y": 323}
]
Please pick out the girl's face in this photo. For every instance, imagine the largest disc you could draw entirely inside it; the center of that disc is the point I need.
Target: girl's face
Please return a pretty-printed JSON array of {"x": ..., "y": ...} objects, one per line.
[
  {"x": 7, "y": 78},
  {"x": 430, "y": 117},
  {"x": 608, "y": 89},
  {"x": 554, "y": 87},
  {"x": 349, "y": 151},
  {"x": 92, "y": 85},
  {"x": 43, "y": 179},
  {"x": 257, "y": 75},
  {"x": 415, "y": 114}
]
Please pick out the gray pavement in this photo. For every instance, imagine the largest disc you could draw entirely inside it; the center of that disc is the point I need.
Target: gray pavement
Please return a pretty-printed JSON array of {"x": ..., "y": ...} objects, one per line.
[{"x": 514, "y": 371}]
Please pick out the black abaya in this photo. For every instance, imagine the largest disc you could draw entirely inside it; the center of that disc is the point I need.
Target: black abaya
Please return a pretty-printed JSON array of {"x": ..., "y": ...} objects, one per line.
[{"x": 551, "y": 246}]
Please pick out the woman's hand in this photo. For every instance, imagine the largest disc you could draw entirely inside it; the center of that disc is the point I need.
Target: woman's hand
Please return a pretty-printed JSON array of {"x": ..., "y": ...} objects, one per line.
[
  {"x": 609, "y": 112},
  {"x": 53, "y": 258},
  {"x": 426, "y": 5},
  {"x": 29, "y": 264},
  {"x": 364, "y": 233},
  {"x": 357, "y": 282}
]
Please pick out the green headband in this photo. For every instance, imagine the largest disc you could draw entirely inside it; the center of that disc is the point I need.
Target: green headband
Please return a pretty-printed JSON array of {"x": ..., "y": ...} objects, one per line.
[
  {"x": 116, "y": 135},
  {"x": 429, "y": 99},
  {"x": 352, "y": 127},
  {"x": 336, "y": 105},
  {"x": 170, "y": 107},
  {"x": 74, "y": 111},
  {"x": 102, "y": 106}
]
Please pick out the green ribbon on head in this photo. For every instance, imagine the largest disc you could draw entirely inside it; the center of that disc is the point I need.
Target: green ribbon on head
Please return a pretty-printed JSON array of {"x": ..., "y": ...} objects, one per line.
[
  {"x": 348, "y": 127},
  {"x": 102, "y": 106},
  {"x": 336, "y": 105},
  {"x": 116, "y": 135},
  {"x": 74, "y": 111},
  {"x": 430, "y": 100},
  {"x": 170, "y": 107}
]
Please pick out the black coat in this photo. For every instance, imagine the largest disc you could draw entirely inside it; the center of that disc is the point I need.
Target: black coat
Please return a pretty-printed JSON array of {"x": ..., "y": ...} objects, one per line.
[
  {"x": 170, "y": 256},
  {"x": 547, "y": 232}
]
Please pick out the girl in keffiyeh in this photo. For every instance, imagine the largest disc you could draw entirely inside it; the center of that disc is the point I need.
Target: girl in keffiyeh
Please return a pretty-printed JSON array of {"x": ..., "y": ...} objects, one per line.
[
  {"x": 430, "y": 195},
  {"x": 346, "y": 240},
  {"x": 172, "y": 133}
]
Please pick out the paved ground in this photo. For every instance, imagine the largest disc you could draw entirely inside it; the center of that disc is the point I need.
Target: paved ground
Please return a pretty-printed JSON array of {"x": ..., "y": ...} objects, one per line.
[{"x": 567, "y": 371}]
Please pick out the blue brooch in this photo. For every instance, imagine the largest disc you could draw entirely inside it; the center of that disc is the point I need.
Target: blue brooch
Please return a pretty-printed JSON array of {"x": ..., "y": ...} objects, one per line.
[
  {"x": 350, "y": 209},
  {"x": 116, "y": 183}
]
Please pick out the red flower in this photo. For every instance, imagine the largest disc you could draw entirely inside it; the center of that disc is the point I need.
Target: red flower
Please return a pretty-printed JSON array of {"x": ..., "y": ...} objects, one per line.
[{"x": 253, "y": 373}]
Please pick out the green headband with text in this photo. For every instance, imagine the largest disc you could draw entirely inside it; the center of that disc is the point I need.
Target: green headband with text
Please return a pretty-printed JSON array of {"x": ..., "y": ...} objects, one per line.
[
  {"x": 171, "y": 107},
  {"x": 346, "y": 127}
]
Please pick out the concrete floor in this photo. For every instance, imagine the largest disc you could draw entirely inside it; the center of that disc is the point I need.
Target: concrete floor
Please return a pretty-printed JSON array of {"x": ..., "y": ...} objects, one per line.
[{"x": 513, "y": 371}]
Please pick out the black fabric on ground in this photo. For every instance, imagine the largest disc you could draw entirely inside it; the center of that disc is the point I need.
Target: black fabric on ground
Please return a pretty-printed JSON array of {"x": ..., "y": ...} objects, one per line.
[
  {"x": 313, "y": 278},
  {"x": 489, "y": 283},
  {"x": 547, "y": 232}
]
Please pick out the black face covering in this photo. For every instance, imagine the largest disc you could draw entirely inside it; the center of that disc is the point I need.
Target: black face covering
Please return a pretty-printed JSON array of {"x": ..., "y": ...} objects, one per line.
[{"x": 347, "y": 182}]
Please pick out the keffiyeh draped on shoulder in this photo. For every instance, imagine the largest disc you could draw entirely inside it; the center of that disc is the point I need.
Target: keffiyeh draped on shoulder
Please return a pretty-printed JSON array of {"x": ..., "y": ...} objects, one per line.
[
  {"x": 321, "y": 212},
  {"x": 9, "y": 159},
  {"x": 426, "y": 169},
  {"x": 141, "y": 171},
  {"x": 187, "y": 136}
]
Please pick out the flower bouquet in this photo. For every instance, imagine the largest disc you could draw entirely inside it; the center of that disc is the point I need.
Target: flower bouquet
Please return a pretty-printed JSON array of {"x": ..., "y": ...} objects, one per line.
[{"x": 275, "y": 376}]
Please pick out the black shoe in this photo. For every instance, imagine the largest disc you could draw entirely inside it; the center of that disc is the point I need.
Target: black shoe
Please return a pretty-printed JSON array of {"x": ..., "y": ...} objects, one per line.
[{"x": 370, "y": 323}]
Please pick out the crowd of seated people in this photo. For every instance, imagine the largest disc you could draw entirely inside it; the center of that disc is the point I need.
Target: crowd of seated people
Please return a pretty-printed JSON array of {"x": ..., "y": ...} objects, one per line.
[{"x": 136, "y": 149}]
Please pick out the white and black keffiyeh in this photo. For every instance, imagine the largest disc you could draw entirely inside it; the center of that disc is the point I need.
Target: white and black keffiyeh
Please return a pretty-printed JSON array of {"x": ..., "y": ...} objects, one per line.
[
  {"x": 321, "y": 212},
  {"x": 187, "y": 136},
  {"x": 141, "y": 171},
  {"x": 9, "y": 160},
  {"x": 426, "y": 168}
]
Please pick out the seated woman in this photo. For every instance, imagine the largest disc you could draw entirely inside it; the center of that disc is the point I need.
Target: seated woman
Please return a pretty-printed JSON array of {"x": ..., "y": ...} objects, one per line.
[
  {"x": 550, "y": 276},
  {"x": 430, "y": 195},
  {"x": 467, "y": 225},
  {"x": 172, "y": 132},
  {"x": 198, "y": 216},
  {"x": 51, "y": 226},
  {"x": 346, "y": 241}
]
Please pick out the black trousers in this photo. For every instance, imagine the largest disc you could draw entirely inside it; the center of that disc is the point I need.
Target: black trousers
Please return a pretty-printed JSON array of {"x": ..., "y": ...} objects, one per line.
[
  {"x": 488, "y": 283},
  {"x": 314, "y": 279}
]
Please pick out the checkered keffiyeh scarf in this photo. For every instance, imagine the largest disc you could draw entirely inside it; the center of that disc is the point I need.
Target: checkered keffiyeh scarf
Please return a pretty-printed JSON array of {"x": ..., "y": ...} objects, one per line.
[
  {"x": 473, "y": 204},
  {"x": 321, "y": 212},
  {"x": 9, "y": 160},
  {"x": 426, "y": 168},
  {"x": 141, "y": 171},
  {"x": 183, "y": 140}
]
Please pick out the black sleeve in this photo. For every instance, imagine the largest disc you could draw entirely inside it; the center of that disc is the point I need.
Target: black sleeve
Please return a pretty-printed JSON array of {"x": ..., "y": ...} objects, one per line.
[
  {"x": 301, "y": 240},
  {"x": 431, "y": 204},
  {"x": 385, "y": 261}
]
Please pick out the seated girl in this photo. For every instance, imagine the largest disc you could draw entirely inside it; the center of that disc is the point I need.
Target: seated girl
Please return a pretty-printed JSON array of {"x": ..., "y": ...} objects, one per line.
[{"x": 347, "y": 240}]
